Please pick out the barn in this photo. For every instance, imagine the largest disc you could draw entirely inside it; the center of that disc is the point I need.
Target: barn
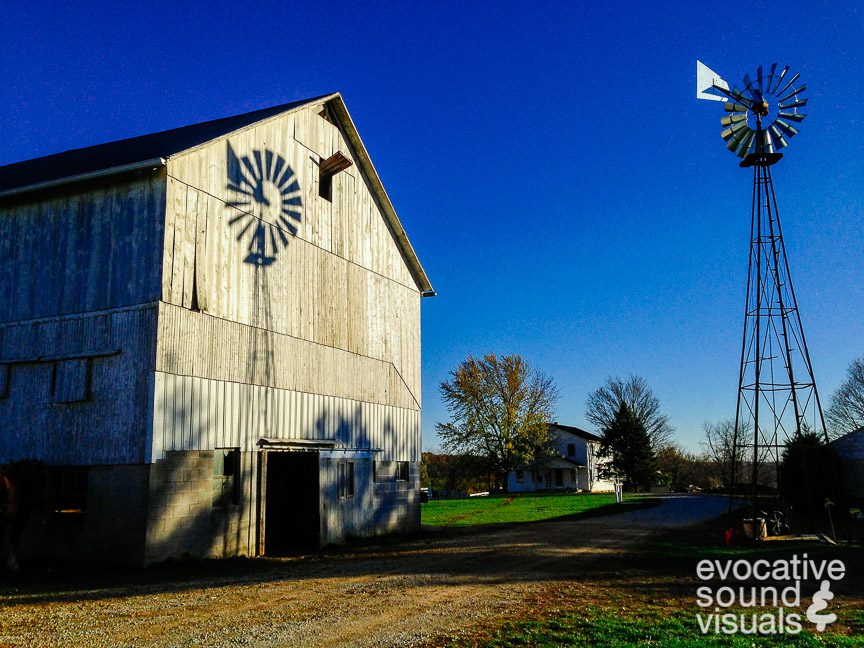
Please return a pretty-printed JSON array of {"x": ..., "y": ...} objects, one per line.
[{"x": 211, "y": 337}]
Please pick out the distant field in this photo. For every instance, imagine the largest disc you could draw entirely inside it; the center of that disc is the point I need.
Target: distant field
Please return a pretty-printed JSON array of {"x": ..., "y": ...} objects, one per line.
[{"x": 526, "y": 507}]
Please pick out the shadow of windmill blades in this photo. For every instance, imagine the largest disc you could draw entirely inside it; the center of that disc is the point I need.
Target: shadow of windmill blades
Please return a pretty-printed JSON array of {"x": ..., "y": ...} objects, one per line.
[{"x": 265, "y": 203}]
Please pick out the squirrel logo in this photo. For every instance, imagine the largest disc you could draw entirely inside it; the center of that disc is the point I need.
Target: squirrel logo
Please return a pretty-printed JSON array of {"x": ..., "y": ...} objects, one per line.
[{"x": 822, "y": 595}]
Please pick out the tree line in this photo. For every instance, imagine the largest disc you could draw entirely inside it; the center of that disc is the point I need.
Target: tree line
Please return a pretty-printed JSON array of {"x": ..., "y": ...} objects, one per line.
[{"x": 500, "y": 409}]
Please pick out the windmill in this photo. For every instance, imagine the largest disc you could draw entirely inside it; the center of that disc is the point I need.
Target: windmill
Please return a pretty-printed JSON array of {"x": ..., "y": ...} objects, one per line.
[{"x": 777, "y": 395}]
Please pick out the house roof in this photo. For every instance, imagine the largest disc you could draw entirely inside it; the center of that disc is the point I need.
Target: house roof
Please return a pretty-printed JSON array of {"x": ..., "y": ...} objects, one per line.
[
  {"x": 851, "y": 444},
  {"x": 576, "y": 431},
  {"x": 78, "y": 164}
]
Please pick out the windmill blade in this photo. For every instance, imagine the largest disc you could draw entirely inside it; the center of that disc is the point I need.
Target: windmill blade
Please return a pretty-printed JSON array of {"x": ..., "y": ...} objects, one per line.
[
  {"x": 759, "y": 79},
  {"x": 732, "y": 119},
  {"x": 734, "y": 130},
  {"x": 767, "y": 142},
  {"x": 798, "y": 103},
  {"x": 787, "y": 128},
  {"x": 798, "y": 117},
  {"x": 779, "y": 141},
  {"x": 794, "y": 93},
  {"x": 779, "y": 80},
  {"x": 746, "y": 144},
  {"x": 786, "y": 87},
  {"x": 737, "y": 138},
  {"x": 731, "y": 106},
  {"x": 735, "y": 93},
  {"x": 770, "y": 77}
]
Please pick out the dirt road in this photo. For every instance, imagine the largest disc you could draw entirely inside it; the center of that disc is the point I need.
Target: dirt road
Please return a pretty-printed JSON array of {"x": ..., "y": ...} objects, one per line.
[{"x": 408, "y": 593}]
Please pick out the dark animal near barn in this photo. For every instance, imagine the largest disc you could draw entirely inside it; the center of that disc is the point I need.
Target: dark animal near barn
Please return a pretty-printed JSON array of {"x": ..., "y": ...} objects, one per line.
[{"x": 22, "y": 493}]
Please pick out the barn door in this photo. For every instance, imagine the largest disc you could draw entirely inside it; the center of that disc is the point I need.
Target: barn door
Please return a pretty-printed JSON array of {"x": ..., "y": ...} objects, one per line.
[{"x": 292, "y": 520}]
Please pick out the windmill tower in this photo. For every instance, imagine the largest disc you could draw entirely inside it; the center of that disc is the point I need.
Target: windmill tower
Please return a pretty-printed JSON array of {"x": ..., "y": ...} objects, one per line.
[{"x": 777, "y": 395}]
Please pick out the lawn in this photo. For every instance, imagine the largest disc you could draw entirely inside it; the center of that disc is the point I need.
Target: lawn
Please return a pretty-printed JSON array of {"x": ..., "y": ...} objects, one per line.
[
  {"x": 648, "y": 599},
  {"x": 524, "y": 507}
]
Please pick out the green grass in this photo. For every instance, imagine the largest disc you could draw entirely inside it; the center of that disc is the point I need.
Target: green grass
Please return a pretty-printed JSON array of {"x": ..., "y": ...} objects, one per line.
[
  {"x": 607, "y": 628},
  {"x": 525, "y": 507}
]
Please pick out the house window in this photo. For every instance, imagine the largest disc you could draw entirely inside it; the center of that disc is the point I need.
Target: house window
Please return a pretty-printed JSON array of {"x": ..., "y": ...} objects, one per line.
[
  {"x": 536, "y": 476},
  {"x": 402, "y": 471},
  {"x": 520, "y": 476},
  {"x": 559, "y": 476},
  {"x": 571, "y": 449},
  {"x": 5, "y": 375},
  {"x": 226, "y": 477},
  {"x": 375, "y": 468},
  {"x": 71, "y": 381},
  {"x": 346, "y": 479},
  {"x": 573, "y": 475},
  {"x": 67, "y": 493}
]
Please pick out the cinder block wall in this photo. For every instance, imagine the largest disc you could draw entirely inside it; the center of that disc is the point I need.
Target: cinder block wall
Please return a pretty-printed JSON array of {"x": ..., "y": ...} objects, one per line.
[{"x": 182, "y": 520}]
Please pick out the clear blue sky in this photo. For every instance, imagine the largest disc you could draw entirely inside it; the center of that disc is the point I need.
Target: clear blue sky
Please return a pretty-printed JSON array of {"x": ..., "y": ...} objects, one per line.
[{"x": 569, "y": 197}]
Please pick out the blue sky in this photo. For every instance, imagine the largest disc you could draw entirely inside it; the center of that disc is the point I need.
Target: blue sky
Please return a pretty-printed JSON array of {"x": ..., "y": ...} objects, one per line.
[{"x": 569, "y": 197}]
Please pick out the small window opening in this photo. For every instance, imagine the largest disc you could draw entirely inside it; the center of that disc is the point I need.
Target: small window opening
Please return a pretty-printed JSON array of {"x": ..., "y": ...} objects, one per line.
[
  {"x": 571, "y": 449},
  {"x": 5, "y": 377},
  {"x": 520, "y": 476},
  {"x": 402, "y": 471},
  {"x": 226, "y": 477},
  {"x": 573, "y": 475},
  {"x": 536, "y": 476},
  {"x": 559, "y": 476},
  {"x": 67, "y": 493},
  {"x": 329, "y": 168}
]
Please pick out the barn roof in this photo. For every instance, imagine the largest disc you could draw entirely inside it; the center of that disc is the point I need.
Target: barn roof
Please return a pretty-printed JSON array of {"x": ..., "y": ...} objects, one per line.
[{"x": 157, "y": 148}]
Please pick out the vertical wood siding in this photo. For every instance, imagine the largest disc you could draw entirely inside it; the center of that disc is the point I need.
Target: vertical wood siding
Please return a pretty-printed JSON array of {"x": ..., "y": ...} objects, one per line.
[
  {"x": 89, "y": 249},
  {"x": 341, "y": 282},
  {"x": 111, "y": 427}
]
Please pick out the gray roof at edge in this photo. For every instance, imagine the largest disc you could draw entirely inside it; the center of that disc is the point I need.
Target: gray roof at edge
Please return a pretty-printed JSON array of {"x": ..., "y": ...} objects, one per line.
[
  {"x": 164, "y": 144},
  {"x": 131, "y": 150}
]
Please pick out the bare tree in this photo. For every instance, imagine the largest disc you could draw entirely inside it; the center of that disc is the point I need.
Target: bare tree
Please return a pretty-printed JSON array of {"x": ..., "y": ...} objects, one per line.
[
  {"x": 846, "y": 411},
  {"x": 603, "y": 405},
  {"x": 500, "y": 408},
  {"x": 718, "y": 444}
]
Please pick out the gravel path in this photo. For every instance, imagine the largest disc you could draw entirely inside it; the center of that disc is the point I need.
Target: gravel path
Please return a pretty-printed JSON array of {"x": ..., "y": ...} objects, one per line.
[{"x": 410, "y": 593}]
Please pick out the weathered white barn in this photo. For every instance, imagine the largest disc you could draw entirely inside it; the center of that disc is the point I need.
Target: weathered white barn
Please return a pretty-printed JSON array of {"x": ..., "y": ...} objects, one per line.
[
  {"x": 212, "y": 336},
  {"x": 574, "y": 466}
]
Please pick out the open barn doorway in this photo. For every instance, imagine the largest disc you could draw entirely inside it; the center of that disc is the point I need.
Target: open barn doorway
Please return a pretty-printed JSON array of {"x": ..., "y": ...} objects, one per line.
[{"x": 292, "y": 521}]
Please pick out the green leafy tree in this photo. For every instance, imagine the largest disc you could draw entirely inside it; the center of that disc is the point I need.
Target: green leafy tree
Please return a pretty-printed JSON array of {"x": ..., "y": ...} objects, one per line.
[
  {"x": 500, "y": 409},
  {"x": 626, "y": 449}
]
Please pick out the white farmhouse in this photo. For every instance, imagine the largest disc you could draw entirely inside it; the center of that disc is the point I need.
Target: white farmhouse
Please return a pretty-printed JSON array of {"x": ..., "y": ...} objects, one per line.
[{"x": 573, "y": 468}]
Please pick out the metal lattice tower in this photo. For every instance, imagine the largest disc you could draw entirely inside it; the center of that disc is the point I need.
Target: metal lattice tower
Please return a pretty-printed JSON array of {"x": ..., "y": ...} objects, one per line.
[{"x": 777, "y": 395}]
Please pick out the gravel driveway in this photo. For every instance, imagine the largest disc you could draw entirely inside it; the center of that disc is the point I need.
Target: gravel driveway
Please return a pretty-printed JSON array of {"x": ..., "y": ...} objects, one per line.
[{"x": 406, "y": 593}]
